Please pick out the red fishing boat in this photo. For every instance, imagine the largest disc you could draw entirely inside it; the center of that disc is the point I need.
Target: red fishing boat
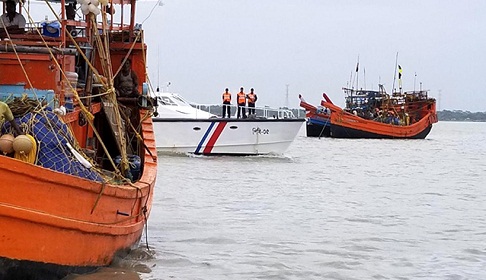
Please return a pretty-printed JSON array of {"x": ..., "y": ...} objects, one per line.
[
  {"x": 376, "y": 114},
  {"x": 81, "y": 192}
]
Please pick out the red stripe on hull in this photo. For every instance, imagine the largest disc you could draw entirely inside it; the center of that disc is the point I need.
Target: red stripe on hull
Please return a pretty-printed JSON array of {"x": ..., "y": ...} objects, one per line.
[{"x": 209, "y": 147}]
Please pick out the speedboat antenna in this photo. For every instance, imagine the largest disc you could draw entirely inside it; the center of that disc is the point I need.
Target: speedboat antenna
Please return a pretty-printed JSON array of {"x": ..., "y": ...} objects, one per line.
[{"x": 158, "y": 70}]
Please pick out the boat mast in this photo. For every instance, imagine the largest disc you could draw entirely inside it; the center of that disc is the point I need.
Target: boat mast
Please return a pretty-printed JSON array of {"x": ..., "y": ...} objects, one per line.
[
  {"x": 356, "y": 75},
  {"x": 395, "y": 73},
  {"x": 287, "y": 96}
]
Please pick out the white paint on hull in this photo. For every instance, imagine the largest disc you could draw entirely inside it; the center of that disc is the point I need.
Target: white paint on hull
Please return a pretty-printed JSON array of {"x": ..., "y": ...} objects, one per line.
[{"x": 223, "y": 136}]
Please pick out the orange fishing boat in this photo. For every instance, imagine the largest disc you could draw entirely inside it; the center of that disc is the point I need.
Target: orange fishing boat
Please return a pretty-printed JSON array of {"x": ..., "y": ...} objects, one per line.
[
  {"x": 376, "y": 114},
  {"x": 81, "y": 192}
]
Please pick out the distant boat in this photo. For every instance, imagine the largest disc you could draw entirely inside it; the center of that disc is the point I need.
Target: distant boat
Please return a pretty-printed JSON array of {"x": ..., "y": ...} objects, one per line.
[
  {"x": 376, "y": 114},
  {"x": 318, "y": 122},
  {"x": 184, "y": 128},
  {"x": 81, "y": 193}
]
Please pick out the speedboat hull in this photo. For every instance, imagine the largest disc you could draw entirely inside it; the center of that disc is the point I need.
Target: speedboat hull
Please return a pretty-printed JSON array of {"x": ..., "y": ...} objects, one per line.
[{"x": 218, "y": 136}]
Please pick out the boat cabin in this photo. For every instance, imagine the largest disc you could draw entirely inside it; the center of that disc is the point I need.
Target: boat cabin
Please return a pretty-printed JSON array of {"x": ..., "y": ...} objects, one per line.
[
  {"x": 399, "y": 108},
  {"x": 68, "y": 61}
]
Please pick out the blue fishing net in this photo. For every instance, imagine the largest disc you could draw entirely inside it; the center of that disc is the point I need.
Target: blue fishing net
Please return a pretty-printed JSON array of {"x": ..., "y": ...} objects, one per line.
[{"x": 52, "y": 134}]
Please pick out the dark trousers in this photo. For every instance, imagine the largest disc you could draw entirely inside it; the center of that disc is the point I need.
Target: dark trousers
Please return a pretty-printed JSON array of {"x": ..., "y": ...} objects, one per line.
[
  {"x": 226, "y": 110},
  {"x": 251, "y": 110},
  {"x": 241, "y": 111}
]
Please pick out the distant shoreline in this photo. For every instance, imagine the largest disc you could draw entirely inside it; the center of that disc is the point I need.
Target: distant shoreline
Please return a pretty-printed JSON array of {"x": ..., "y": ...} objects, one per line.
[{"x": 461, "y": 116}]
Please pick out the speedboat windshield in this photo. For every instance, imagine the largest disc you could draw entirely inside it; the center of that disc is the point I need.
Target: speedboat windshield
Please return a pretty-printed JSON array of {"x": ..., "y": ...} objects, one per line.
[
  {"x": 181, "y": 101},
  {"x": 165, "y": 100},
  {"x": 173, "y": 100}
]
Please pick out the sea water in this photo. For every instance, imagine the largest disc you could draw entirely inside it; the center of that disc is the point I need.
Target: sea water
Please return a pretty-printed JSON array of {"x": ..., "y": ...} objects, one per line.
[{"x": 327, "y": 209}]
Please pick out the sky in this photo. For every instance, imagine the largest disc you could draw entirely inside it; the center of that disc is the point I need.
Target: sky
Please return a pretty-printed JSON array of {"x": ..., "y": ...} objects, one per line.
[
  {"x": 286, "y": 48},
  {"x": 313, "y": 46}
]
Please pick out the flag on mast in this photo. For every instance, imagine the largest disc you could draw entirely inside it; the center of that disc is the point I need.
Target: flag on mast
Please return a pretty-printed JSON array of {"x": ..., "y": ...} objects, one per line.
[{"x": 400, "y": 76}]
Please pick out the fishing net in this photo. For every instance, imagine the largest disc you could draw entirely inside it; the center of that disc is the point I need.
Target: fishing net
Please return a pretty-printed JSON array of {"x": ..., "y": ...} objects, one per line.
[{"x": 52, "y": 136}]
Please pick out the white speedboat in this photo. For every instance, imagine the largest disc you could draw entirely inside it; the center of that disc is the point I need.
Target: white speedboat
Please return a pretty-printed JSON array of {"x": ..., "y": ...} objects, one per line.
[{"x": 184, "y": 128}]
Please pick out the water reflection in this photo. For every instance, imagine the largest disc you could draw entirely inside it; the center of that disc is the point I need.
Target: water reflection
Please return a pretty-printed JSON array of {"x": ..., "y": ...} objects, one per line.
[{"x": 127, "y": 268}]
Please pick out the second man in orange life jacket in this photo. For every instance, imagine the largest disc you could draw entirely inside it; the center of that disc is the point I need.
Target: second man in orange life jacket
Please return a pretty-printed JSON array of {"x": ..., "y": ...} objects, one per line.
[
  {"x": 226, "y": 103},
  {"x": 241, "y": 100},
  {"x": 252, "y": 98}
]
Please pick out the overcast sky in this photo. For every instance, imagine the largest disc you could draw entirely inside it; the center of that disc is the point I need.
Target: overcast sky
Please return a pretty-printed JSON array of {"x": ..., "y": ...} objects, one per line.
[
  {"x": 204, "y": 46},
  {"x": 201, "y": 47}
]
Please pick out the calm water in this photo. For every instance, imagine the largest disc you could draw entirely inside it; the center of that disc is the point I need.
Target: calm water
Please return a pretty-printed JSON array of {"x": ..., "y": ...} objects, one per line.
[{"x": 328, "y": 209}]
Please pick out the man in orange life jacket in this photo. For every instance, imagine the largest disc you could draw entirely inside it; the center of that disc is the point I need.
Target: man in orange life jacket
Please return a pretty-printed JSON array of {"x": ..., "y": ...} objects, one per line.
[
  {"x": 241, "y": 99},
  {"x": 226, "y": 103},
  {"x": 252, "y": 98}
]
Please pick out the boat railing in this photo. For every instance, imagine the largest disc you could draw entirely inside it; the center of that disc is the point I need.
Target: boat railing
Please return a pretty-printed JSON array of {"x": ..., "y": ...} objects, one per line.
[
  {"x": 123, "y": 28},
  {"x": 265, "y": 112}
]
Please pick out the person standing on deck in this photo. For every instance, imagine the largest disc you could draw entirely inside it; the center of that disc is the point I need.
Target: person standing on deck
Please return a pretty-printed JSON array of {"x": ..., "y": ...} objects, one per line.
[
  {"x": 252, "y": 98},
  {"x": 226, "y": 103},
  {"x": 126, "y": 88},
  {"x": 71, "y": 11},
  {"x": 241, "y": 100},
  {"x": 11, "y": 20},
  {"x": 126, "y": 82}
]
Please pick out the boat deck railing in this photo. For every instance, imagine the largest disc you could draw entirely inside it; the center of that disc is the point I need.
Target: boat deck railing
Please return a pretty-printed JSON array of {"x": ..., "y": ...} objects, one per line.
[
  {"x": 265, "y": 112},
  {"x": 121, "y": 27}
]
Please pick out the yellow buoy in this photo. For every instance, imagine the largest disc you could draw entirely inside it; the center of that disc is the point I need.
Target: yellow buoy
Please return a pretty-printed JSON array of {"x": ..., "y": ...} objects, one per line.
[
  {"x": 22, "y": 144},
  {"x": 6, "y": 143},
  {"x": 25, "y": 148}
]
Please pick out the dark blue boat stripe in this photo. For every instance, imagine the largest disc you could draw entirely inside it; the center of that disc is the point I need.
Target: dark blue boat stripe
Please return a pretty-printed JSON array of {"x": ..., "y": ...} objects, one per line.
[{"x": 204, "y": 137}]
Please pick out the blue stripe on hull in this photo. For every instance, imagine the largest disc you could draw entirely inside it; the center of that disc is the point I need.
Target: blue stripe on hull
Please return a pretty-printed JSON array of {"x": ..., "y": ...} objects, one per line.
[{"x": 206, "y": 134}]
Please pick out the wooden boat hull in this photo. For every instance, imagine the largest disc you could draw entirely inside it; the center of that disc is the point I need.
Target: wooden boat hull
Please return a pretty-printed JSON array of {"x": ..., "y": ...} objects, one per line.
[
  {"x": 338, "y": 131},
  {"x": 318, "y": 122},
  {"x": 15, "y": 269},
  {"x": 226, "y": 136},
  {"x": 347, "y": 125},
  {"x": 316, "y": 127},
  {"x": 61, "y": 223}
]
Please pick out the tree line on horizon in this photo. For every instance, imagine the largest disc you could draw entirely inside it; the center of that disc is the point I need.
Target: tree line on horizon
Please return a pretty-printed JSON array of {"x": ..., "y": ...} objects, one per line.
[{"x": 459, "y": 115}]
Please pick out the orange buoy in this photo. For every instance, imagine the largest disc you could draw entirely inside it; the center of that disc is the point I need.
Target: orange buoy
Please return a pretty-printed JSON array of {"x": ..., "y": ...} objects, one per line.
[{"x": 6, "y": 143}]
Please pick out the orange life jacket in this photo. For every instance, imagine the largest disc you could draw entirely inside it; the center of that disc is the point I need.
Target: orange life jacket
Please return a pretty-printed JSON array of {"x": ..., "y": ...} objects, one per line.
[
  {"x": 226, "y": 97},
  {"x": 251, "y": 98},
  {"x": 241, "y": 98}
]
